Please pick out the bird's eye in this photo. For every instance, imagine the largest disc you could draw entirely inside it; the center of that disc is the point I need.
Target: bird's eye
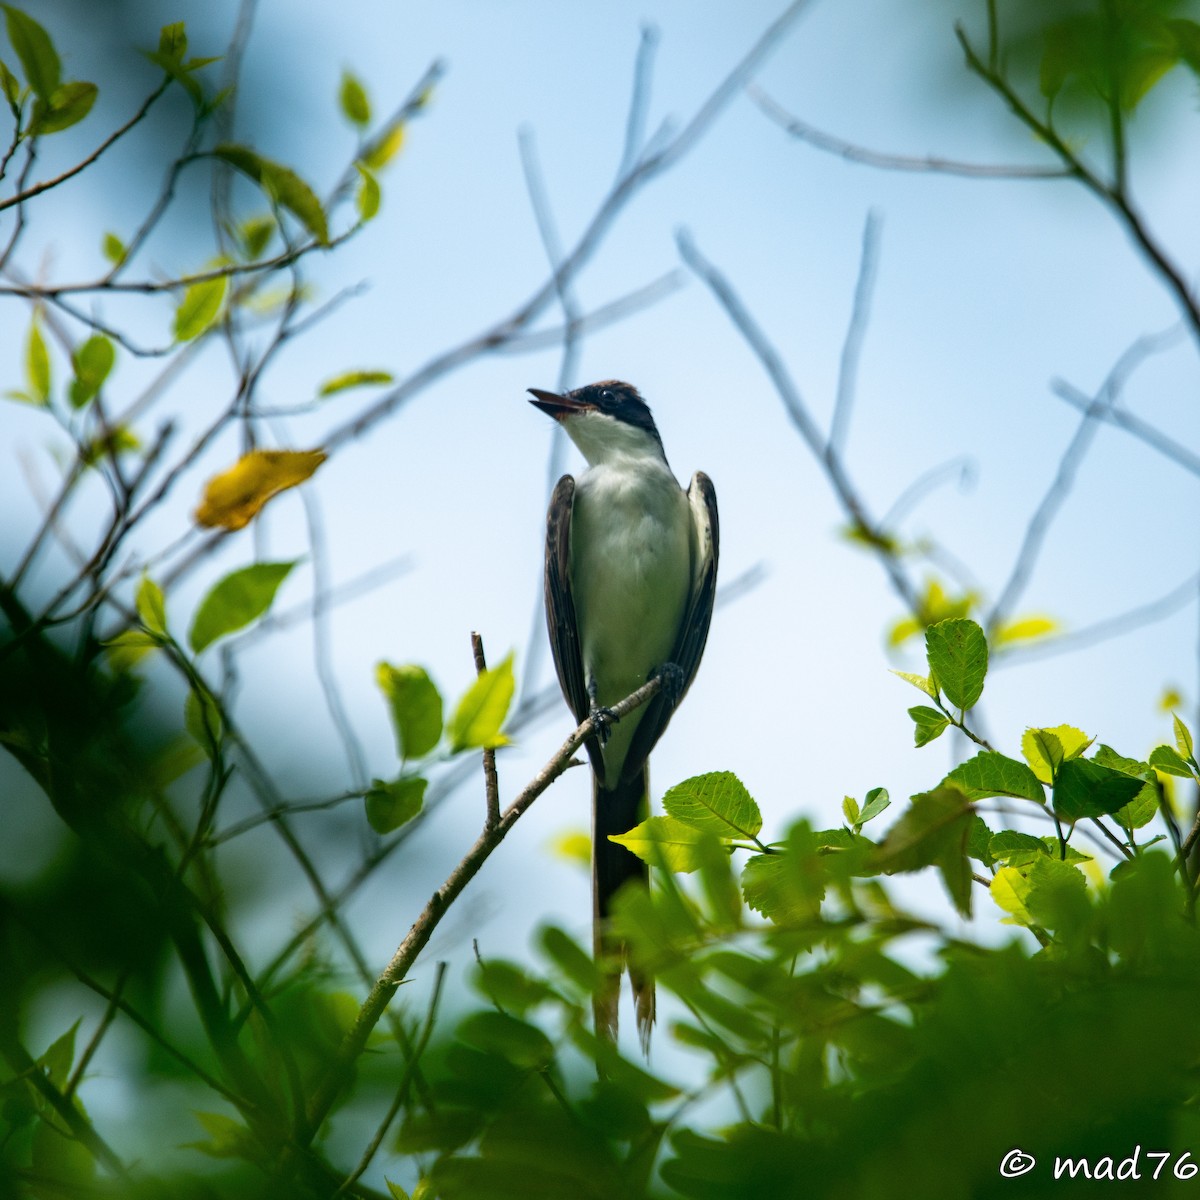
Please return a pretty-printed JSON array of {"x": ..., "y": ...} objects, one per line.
[{"x": 606, "y": 395}]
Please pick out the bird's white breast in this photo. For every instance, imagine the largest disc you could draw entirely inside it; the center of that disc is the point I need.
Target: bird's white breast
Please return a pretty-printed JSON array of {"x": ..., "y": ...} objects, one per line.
[{"x": 631, "y": 573}]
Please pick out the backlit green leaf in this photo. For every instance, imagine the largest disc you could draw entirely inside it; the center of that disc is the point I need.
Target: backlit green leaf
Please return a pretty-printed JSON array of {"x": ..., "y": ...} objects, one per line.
[
  {"x": 282, "y": 184},
  {"x": 415, "y": 705},
  {"x": 928, "y": 723},
  {"x": 390, "y": 805},
  {"x": 127, "y": 649},
  {"x": 1183, "y": 738},
  {"x": 241, "y": 597},
  {"x": 990, "y": 773},
  {"x": 368, "y": 196},
  {"x": 481, "y": 711},
  {"x": 93, "y": 360},
  {"x": 199, "y": 307},
  {"x": 958, "y": 659},
  {"x": 36, "y": 51},
  {"x": 37, "y": 365},
  {"x": 1167, "y": 759},
  {"x": 10, "y": 85},
  {"x": 351, "y": 379},
  {"x": 352, "y": 97},
  {"x": 172, "y": 40},
  {"x": 877, "y": 799},
  {"x": 202, "y": 719},
  {"x": 517, "y": 1041},
  {"x": 667, "y": 840},
  {"x": 68, "y": 106},
  {"x": 113, "y": 249},
  {"x": 717, "y": 802},
  {"x": 1043, "y": 752},
  {"x": 151, "y": 606},
  {"x": 1010, "y": 890}
]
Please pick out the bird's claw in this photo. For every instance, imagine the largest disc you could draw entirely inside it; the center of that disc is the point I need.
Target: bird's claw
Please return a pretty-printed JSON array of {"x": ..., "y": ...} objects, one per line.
[
  {"x": 672, "y": 678},
  {"x": 603, "y": 719}
]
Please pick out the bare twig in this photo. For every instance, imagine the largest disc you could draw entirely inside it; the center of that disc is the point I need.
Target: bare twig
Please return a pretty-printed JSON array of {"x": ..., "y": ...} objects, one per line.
[
  {"x": 892, "y": 162},
  {"x": 852, "y": 347},
  {"x": 490, "y": 779},
  {"x": 401, "y": 963},
  {"x": 639, "y": 101}
]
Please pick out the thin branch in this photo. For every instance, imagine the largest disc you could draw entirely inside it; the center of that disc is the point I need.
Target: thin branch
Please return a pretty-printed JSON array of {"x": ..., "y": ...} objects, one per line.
[
  {"x": 639, "y": 101},
  {"x": 799, "y": 413},
  {"x": 401, "y": 963},
  {"x": 892, "y": 162},
  {"x": 860, "y": 314},
  {"x": 490, "y": 779},
  {"x": 37, "y": 188},
  {"x": 963, "y": 469}
]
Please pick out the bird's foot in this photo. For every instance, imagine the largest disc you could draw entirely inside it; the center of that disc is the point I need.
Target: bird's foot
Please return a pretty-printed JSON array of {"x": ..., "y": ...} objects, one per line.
[
  {"x": 603, "y": 719},
  {"x": 673, "y": 680}
]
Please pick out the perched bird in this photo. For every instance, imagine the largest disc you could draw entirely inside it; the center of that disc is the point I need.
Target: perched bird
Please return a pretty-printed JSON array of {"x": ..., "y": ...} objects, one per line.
[{"x": 631, "y": 570}]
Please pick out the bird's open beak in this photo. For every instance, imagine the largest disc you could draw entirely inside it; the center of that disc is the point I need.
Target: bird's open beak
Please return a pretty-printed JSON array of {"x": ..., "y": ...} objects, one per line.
[{"x": 554, "y": 405}]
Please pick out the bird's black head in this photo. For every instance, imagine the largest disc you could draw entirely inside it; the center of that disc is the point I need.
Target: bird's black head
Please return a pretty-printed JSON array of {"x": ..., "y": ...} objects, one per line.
[{"x": 610, "y": 397}]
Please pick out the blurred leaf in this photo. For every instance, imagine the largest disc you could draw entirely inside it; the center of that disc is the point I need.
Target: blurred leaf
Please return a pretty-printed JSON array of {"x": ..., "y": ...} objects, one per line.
[
  {"x": 1084, "y": 788},
  {"x": 928, "y": 724},
  {"x": 979, "y": 842},
  {"x": 59, "y": 1057},
  {"x": 37, "y": 364},
  {"x": 510, "y": 987},
  {"x": 396, "y": 1191},
  {"x": 481, "y": 711},
  {"x": 282, "y": 184},
  {"x": 1183, "y": 738},
  {"x": 990, "y": 773},
  {"x": 717, "y": 802},
  {"x": 780, "y": 888},
  {"x": 68, "y": 106},
  {"x": 151, "y": 606},
  {"x": 255, "y": 235},
  {"x": 674, "y": 843},
  {"x": 390, "y": 805},
  {"x": 127, "y": 649},
  {"x": 1023, "y": 629},
  {"x": 517, "y": 1041},
  {"x": 1168, "y": 760},
  {"x": 113, "y": 249},
  {"x": 351, "y": 379},
  {"x": 1057, "y": 893},
  {"x": 1170, "y": 700},
  {"x": 118, "y": 440},
  {"x": 172, "y": 40},
  {"x": 10, "y": 86},
  {"x": 33, "y": 46},
  {"x": 202, "y": 719},
  {"x": 352, "y": 97},
  {"x": 367, "y": 198},
  {"x": 921, "y": 682},
  {"x": 232, "y": 603},
  {"x": 92, "y": 360},
  {"x": 933, "y": 832},
  {"x": 384, "y": 148},
  {"x": 571, "y": 959},
  {"x": 200, "y": 307},
  {"x": 574, "y": 845},
  {"x": 415, "y": 705},
  {"x": 228, "y": 1138},
  {"x": 233, "y": 498},
  {"x": 958, "y": 660}
]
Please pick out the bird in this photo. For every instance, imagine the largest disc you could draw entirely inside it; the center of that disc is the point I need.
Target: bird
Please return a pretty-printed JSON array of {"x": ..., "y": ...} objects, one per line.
[{"x": 630, "y": 576}]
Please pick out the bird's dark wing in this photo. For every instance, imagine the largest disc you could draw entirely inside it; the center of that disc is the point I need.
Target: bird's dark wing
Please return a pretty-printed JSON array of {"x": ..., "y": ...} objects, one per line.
[
  {"x": 693, "y": 633},
  {"x": 560, "y": 610}
]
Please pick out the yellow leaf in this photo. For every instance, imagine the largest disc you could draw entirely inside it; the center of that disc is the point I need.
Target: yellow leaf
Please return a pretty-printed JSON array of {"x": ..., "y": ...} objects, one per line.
[
  {"x": 1010, "y": 891},
  {"x": 574, "y": 845},
  {"x": 1025, "y": 629},
  {"x": 1170, "y": 700},
  {"x": 233, "y": 499}
]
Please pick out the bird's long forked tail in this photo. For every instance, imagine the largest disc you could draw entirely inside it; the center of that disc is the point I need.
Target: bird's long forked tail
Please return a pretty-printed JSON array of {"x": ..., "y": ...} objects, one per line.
[{"x": 617, "y": 810}]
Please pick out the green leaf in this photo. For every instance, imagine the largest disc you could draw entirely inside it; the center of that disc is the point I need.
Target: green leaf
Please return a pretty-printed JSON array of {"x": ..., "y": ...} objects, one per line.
[
  {"x": 93, "y": 360},
  {"x": 113, "y": 249},
  {"x": 368, "y": 196},
  {"x": 1183, "y": 738},
  {"x": 850, "y": 810},
  {"x": 255, "y": 235},
  {"x": 571, "y": 959},
  {"x": 282, "y": 184},
  {"x": 415, "y": 705},
  {"x": 667, "y": 840},
  {"x": 228, "y": 1138},
  {"x": 172, "y": 40},
  {"x": 481, "y": 711},
  {"x": 127, "y": 649},
  {"x": 928, "y": 724},
  {"x": 385, "y": 147},
  {"x": 1057, "y": 893},
  {"x": 10, "y": 86},
  {"x": 1016, "y": 849},
  {"x": 68, "y": 106},
  {"x": 352, "y": 97},
  {"x": 351, "y": 379},
  {"x": 1142, "y": 809},
  {"x": 36, "y": 51},
  {"x": 390, "y": 805},
  {"x": 877, "y": 800},
  {"x": 958, "y": 659},
  {"x": 990, "y": 773},
  {"x": 1010, "y": 890},
  {"x": 921, "y": 682},
  {"x": 717, "y": 802},
  {"x": 1106, "y": 756},
  {"x": 520, "y": 1043},
  {"x": 202, "y": 719},
  {"x": 241, "y": 597},
  {"x": 37, "y": 364},
  {"x": 1043, "y": 752},
  {"x": 396, "y": 1191},
  {"x": 787, "y": 887},
  {"x": 1084, "y": 788},
  {"x": 151, "y": 606},
  {"x": 59, "y": 1057},
  {"x": 199, "y": 308},
  {"x": 979, "y": 841},
  {"x": 1187, "y": 41},
  {"x": 933, "y": 832},
  {"x": 1168, "y": 760}
]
